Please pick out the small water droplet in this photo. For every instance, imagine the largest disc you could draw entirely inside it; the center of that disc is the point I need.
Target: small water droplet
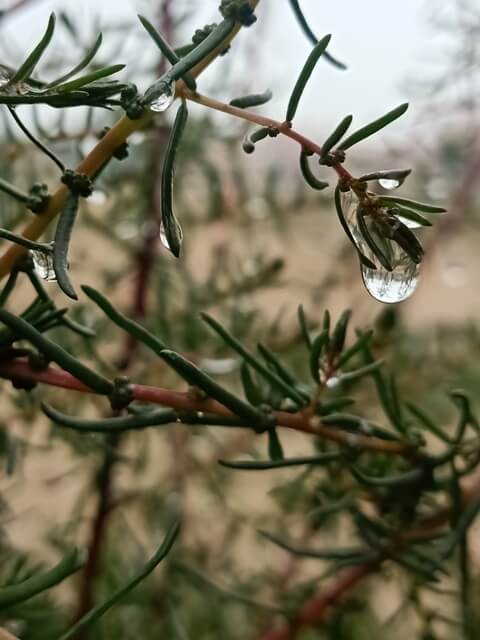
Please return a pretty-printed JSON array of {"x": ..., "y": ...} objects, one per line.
[
  {"x": 389, "y": 183},
  {"x": 218, "y": 366},
  {"x": 163, "y": 236},
  {"x": 391, "y": 286},
  {"x": 332, "y": 382},
  {"x": 43, "y": 265},
  {"x": 164, "y": 100},
  {"x": 4, "y": 77}
]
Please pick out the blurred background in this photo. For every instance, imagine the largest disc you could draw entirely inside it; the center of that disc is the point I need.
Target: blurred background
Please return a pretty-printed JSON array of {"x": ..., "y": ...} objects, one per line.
[{"x": 257, "y": 243}]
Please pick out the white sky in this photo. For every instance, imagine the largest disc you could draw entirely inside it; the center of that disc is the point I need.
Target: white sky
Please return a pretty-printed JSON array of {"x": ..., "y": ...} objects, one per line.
[{"x": 382, "y": 41}]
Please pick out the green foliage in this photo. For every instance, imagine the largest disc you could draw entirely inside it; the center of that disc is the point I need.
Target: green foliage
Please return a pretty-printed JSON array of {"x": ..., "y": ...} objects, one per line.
[{"x": 363, "y": 470}]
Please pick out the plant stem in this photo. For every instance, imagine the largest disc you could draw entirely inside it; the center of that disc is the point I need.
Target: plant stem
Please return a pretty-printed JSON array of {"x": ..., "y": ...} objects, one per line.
[
  {"x": 185, "y": 401},
  {"x": 98, "y": 156},
  {"x": 315, "y": 609},
  {"x": 282, "y": 127}
]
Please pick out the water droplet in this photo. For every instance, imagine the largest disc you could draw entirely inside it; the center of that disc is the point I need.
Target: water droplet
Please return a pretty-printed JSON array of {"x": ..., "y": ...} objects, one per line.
[
  {"x": 4, "y": 77},
  {"x": 163, "y": 236},
  {"x": 332, "y": 382},
  {"x": 385, "y": 286},
  {"x": 164, "y": 100},
  {"x": 389, "y": 183},
  {"x": 391, "y": 286},
  {"x": 43, "y": 265},
  {"x": 218, "y": 366}
]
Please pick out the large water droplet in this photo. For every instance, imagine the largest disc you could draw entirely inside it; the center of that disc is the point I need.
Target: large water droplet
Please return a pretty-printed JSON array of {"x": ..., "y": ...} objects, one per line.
[
  {"x": 43, "y": 265},
  {"x": 391, "y": 286},
  {"x": 164, "y": 100},
  {"x": 389, "y": 183},
  {"x": 385, "y": 286}
]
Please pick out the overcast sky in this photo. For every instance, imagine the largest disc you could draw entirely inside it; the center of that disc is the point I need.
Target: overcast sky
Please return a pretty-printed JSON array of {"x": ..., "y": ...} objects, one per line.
[{"x": 383, "y": 42}]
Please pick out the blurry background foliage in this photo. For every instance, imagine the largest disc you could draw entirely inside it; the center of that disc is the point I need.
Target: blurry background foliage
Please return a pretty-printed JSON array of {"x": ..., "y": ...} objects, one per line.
[{"x": 257, "y": 242}]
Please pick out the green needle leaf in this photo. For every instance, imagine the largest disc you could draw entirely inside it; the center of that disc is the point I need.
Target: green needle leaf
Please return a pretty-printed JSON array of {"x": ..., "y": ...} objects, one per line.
[
  {"x": 91, "y": 53},
  {"x": 63, "y": 234},
  {"x": 166, "y": 50},
  {"x": 302, "y": 321},
  {"x": 27, "y": 68},
  {"x": 14, "y": 594},
  {"x": 408, "y": 214},
  {"x": 412, "y": 204},
  {"x": 331, "y": 554},
  {"x": 264, "y": 465},
  {"x": 195, "y": 377},
  {"x": 275, "y": 449},
  {"x": 23, "y": 330},
  {"x": 89, "y": 78},
  {"x": 341, "y": 216},
  {"x": 310, "y": 178},
  {"x": 318, "y": 346},
  {"x": 171, "y": 227},
  {"x": 269, "y": 375},
  {"x": 130, "y": 326},
  {"x": 373, "y": 127},
  {"x": 92, "y": 616},
  {"x": 111, "y": 425},
  {"x": 253, "y": 100},
  {"x": 336, "y": 136},
  {"x": 304, "y": 76},
  {"x": 374, "y": 247},
  {"x": 310, "y": 35}
]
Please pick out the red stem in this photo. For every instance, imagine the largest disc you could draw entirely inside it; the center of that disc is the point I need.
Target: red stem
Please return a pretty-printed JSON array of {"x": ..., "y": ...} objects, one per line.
[
  {"x": 186, "y": 401},
  {"x": 315, "y": 609}
]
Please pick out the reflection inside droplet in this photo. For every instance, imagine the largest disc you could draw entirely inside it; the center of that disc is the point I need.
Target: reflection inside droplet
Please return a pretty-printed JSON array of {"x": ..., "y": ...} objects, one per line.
[
  {"x": 389, "y": 183},
  {"x": 411, "y": 224},
  {"x": 164, "y": 100},
  {"x": 163, "y": 237},
  {"x": 43, "y": 265},
  {"x": 391, "y": 286}
]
